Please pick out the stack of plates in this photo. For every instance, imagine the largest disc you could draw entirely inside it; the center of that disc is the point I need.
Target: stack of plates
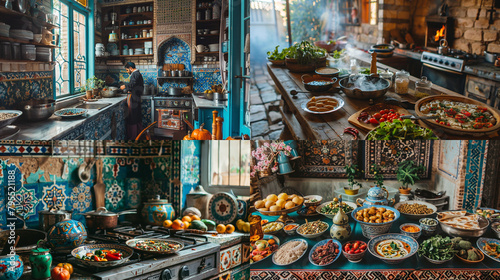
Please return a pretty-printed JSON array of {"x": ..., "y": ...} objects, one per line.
[
  {"x": 28, "y": 52},
  {"x": 21, "y": 34},
  {"x": 43, "y": 54},
  {"x": 139, "y": 51},
  {"x": 4, "y": 29}
]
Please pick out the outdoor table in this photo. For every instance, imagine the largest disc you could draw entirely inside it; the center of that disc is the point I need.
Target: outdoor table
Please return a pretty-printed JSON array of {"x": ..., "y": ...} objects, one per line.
[{"x": 371, "y": 267}]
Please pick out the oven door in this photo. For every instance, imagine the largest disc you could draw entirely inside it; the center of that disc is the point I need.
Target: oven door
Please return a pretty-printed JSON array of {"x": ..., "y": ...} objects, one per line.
[
  {"x": 449, "y": 79},
  {"x": 170, "y": 122}
]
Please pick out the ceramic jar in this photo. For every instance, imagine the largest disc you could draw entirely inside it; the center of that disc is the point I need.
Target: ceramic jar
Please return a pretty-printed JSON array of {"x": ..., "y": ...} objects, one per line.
[
  {"x": 376, "y": 196},
  {"x": 341, "y": 229},
  {"x": 13, "y": 266},
  {"x": 66, "y": 235},
  {"x": 41, "y": 261},
  {"x": 199, "y": 199},
  {"x": 157, "y": 210}
]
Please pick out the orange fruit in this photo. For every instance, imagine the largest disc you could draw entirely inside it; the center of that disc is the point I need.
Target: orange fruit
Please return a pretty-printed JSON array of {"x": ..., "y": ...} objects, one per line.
[
  {"x": 187, "y": 225},
  {"x": 186, "y": 219},
  {"x": 229, "y": 228},
  {"x": 221, "y": 228},
  {"x": 67, "y": 266},
  {"x": 167, "y": 223},
  {"x": 195, "y": 217},
  {"x": 177, "y": 224}
]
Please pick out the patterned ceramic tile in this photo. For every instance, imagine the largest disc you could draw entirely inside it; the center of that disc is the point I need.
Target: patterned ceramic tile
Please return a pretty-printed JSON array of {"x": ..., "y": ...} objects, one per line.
[
  {"x": 115, "y": 194},
  {"x": 388, "y": 154},
  {"x": 26, "y": 201},
  {"x": 80, "y": 199},
  {"x": 474, "y": 177},
  {"x": 190, "y": 162},
  {"x": 325, "y": 158},
  {"x": 22, "y": 86},
  {"x": 175, "y": 183},
  {"x": 146, "y": 113},
  {"x": 175, "y": 51},
  {"x": 53, "y": 195},
  {"x": 133, "y": 192}
]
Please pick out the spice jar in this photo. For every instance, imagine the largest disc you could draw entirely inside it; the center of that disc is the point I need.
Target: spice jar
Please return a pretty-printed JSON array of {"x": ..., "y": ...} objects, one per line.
[
  {"x": 41, "y": 261},
  {"x": 256, "y": 232},
  {"x": 387, "y": 75},
  {"x": 423, "y": 88},
  {"x": 401, "y": 82}
]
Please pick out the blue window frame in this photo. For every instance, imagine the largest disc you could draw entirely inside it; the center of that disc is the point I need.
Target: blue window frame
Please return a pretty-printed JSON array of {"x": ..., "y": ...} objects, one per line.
[{"x": 74, "y": 57}]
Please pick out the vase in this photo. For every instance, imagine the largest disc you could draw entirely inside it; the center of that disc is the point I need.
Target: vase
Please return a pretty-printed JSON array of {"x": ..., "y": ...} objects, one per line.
[
  {"x": 404, "y": 191},
  {"x": 284, "y": 164},
  {"x": 40, "y": 260},
  {"x": 293, "y": 144},
  {"x": 12, "y": 267},
  {"x": 341, "y": 229}
]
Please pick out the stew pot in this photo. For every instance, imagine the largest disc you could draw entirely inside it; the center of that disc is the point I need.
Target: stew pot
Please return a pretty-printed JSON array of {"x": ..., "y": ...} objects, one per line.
[
  {"x": 104, "y": 219},
  {"x": 48, "y": 218}
]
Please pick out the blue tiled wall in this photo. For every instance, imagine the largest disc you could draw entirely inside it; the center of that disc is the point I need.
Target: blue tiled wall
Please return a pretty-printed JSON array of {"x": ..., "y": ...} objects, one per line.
[
  {"x": 16, "y": 87},
  {"x": 190, "y": 167}
]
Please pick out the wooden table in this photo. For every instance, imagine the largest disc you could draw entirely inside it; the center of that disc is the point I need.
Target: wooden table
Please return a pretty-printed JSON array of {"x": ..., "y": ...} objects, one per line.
[{"x": 305, "y": 126}]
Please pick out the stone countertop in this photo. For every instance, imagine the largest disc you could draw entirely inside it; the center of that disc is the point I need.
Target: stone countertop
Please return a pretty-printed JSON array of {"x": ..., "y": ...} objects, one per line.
[
  {"x": 56, "y": 126},
  {"x": 202, "y": 103}
]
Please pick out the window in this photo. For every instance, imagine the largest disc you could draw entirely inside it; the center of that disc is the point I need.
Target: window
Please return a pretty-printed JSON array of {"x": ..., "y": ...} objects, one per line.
[
  {"x": 229, "y": 164},
  {"x": 370, "y": 11},
  {"x": 72, "y": 56}
]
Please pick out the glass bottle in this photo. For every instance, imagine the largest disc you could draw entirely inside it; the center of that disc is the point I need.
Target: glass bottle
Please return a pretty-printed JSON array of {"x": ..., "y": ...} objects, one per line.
[
  {"x": 256, "y": 232},
  {"x": 41, "y": 261},
  {"x": 423, "y": 88},
  {"x": 401, "y": 82}
]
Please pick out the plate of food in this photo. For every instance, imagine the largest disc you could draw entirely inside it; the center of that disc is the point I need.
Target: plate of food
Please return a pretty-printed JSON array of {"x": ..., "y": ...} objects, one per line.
[
  {"x": 392, "y": 248},
  {"x": 371, "y": 117},
  {"x": 329, "y": 209},
  {"x": 325, "y": 252},
  {"x": 489, "y": 247},
  {"x": 462, "y": 224},
  {"x": 102, "y": 255},
  {"x": 155, "y": 245},
  {"x": 322, "y": 105},
  {"x": 70, "y": 112},
  {"x": 489, "y": 213},
  {"x": 458, "y": 115},
  {"x": 290, "y": 252},
  {"x": 415, "y": 210},
  {"x": 400, "y": 130},
  {"x": 8, "y": 116},
  {"x": 261, "y": 249}
]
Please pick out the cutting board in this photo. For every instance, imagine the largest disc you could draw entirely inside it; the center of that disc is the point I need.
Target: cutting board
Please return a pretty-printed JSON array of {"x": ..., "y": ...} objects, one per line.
[{"x": 353, "y": 119}]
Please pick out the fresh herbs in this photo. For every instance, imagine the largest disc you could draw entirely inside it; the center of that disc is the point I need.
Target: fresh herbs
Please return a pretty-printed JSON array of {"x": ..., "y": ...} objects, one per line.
[
  {"x": 338, "y": 54},
  {"x": 394, "y": 246},
  {"x": 276, "y": 54},
  {"x": 439, "y": 248},
  {"x": 407, "y": 173},
  {"x": 400, "y": 130},
  {"x": 306, "y": 53}
]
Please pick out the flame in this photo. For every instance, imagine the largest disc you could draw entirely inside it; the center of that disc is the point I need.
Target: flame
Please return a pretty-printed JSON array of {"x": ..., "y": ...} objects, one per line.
[{"x": 439, "y": 33}]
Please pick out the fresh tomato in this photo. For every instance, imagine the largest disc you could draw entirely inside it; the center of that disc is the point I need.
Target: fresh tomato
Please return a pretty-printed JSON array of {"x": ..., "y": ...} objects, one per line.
[
  {"x": 383, "y": 111},
  {"x": 374, "y": 121},
  {"x": 377, "y": 116},
  {"x": 357, "y": 251},
  {"x": 362, "y": 247},
  {"x": 355, "y": 245},
  {"x": 385, "y": 116},
  {"x": 347, "y": 247},
  {"x": 382, "y": 120},
  {"x": 392, "y": 110}
]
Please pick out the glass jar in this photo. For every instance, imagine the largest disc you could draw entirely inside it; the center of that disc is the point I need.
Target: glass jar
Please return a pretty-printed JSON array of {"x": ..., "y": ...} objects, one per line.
[
  {"x": 256, "y": 232},
  {"x": 402, "y": 81},
  {"x": 387, "y": 75},
  {"x": 423, "y": 88}
]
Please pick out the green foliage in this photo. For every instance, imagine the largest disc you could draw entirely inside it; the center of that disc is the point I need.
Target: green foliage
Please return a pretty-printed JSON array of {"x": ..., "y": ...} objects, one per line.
[
  {"x": 305, "y": 52},
  {"x": 378, "y": 176},
  {"x": 352, "y": 171},
  {"x": 276, "y": 54},
  {"x": 94, "y": 83},
  {"x": 407, "y": 173},
  {"x": 305, "y": 17},
  {"x": 438, "y": 248}
]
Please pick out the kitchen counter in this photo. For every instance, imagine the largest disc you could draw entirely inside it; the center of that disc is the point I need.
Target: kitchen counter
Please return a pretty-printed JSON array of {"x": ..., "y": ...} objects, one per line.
[
  {"x": 205, "y": 103},
  {"x": 56, "y": 127}
]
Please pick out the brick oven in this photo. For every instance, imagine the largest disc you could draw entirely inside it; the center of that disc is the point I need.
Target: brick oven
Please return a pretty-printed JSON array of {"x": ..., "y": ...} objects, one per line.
[{"x": 437, "y": 28}]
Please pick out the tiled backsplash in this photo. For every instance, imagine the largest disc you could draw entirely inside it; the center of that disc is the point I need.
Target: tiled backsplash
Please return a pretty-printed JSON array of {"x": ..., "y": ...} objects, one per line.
[
  {"x": 16, "y": 87},
  {"x": 54, "y": 181}
]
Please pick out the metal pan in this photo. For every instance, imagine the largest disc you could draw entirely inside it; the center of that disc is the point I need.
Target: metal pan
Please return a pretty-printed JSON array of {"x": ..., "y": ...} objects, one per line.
[
  {"x": 132, "y": 243},
  {"x": 83, "y": 250}
]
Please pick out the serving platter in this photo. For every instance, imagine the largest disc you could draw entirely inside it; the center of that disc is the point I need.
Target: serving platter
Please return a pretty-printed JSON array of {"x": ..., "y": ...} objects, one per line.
[
  {"x": 453, "y": 130},
  {"x": 70, "y": 112},
  {"x": 305, "y": 251},
  {"x": 10, "y": 120},
  {"x": 482, "y": 241},
  {"x": 81, "y": 251},
  {"x": 132, "y": 243},
  {"x": 340, "y": 104},
  {"x": 268, "y": 237},
  {"x": 282, "y": 213},
  {"x": 353, "y": 119}
]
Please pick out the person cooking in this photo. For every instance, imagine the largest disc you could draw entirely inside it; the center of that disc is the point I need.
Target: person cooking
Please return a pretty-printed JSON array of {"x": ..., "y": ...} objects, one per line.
[{"x": 134, "y": 90}]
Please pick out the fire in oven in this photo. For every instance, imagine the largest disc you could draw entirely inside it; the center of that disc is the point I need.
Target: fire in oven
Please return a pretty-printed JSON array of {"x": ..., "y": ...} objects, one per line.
[{"x": 174, "y": 116}]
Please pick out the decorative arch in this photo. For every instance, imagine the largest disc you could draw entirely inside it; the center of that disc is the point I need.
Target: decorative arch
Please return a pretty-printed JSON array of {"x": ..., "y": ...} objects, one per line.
[{"x": 175, "y": 50}]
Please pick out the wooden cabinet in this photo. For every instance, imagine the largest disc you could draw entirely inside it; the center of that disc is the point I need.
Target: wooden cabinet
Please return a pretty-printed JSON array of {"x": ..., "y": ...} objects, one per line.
[{"x": 484, "y": 90}]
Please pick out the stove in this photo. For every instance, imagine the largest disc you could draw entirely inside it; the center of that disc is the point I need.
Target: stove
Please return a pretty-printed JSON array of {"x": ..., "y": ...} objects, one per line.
[
  {"x": 199, "y": 259},
  {"x": 455, "y": 60},
  {"x": 171, "y": 113}
]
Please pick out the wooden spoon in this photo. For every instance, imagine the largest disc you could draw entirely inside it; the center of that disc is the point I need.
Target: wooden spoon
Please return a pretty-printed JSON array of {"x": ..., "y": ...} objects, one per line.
[{"x": 99, "y": 187}]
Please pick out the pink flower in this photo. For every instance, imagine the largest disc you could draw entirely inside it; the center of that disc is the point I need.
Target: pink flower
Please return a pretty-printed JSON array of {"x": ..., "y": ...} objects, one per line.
[{"x": 274, "y": 169}]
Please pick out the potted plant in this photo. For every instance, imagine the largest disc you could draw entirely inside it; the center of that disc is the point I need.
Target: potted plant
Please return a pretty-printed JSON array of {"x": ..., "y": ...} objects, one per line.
[
  {"x": 93, "y": 85},
  {"x": 352, "y": 171},
  {"x": 305, "y": 57},
  {"x": 407, "y": 174},
  {"x": 378, "y": 176},
  {"x": 267, "y": 156}
]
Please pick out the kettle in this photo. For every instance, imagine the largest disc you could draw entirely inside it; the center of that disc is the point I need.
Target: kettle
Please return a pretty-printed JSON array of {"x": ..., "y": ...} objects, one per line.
[
  {"x": 443, "y": 47},
  {"x": 199, "y": 198}
]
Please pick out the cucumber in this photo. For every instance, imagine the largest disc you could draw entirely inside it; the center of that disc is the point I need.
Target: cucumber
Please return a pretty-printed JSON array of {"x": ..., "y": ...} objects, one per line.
[
  {"x": 210, "y": 224},
  {"x": 198, "y": 225}
]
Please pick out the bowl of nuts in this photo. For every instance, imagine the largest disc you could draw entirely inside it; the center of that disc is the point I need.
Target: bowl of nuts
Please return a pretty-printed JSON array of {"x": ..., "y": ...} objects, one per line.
[
  {"x": 375, "y": 220},
  {"x": 414, "y": 209}
]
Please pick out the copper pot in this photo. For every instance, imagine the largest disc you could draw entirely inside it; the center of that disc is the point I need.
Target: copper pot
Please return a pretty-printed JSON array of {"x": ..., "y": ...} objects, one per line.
[{"x": 104, "y": 219}]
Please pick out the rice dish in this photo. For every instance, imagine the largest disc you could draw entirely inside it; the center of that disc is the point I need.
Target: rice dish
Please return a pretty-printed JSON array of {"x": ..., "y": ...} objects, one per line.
[{"x": 290, "y": 252}]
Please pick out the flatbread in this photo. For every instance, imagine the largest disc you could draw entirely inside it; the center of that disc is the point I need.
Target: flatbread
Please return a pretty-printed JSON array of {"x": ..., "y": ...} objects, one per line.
[{"x": 459, "y": 219}]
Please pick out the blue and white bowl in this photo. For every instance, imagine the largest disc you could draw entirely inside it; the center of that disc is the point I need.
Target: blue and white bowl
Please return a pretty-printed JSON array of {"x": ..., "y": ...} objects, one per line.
[
  {"x": 482, "y": 241},
  {"x": 321, "y": 243},
  {"x": 11, "y": 267},
  {"x": 371, "y": 230},
  {"x": 70, "y": 112},
  {"x": 409, "y": 240}
]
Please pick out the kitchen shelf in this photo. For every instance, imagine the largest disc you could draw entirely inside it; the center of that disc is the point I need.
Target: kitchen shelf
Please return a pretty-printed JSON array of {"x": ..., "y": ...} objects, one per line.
[
  {"x": 207, "y": 53},
  {"x": 138, "y": 55},
  {"x": 138, "y": 39},
  {"x": 136, "y": 25},
  {"x": 5, "y": 11},
  {"x": 25, "y": 42},
  {"x": 136, "y": 14},
  {"x": 175, "y": 78},
  {"x": 208, "y": 35},
  {"x": 24, "y": 61},
  {"x": 208, "y": 20}
]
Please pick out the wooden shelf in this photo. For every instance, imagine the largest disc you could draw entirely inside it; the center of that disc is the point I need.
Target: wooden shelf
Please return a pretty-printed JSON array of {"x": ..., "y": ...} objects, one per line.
[
  {"x": 5, "y": 11},
  {"x": 25, "y": 42},
  {"x": 137, "y": 14},
  {"x": 125, "y": 56},
  {"x": 207, "y": 53},
  {"x": 207, "y": 20},
  {"x": 138, "y": 55},
  {"x": 126, "y": 3},
  {"x": 24, "y": 61},
  {"x": 138, "y": 39},
  {"x": 136, "y": 25},
  {"x": 208, "y": 35}
]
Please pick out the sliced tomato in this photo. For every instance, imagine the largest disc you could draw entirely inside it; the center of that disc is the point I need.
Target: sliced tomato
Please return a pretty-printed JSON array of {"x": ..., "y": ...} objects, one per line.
[{"x": 374, "y": 121}]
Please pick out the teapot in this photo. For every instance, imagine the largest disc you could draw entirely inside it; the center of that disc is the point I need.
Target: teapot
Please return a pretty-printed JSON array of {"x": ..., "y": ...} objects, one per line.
[
  {"x": 376, "y": 196},
  {"x": 157, "y": 210}
]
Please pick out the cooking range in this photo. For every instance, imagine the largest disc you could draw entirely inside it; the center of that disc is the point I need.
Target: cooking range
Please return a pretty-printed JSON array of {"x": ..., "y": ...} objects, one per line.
[
  {"x": 199, "y": 259},
  {"x": 447, "y": 70},
  {"x": 171, "y": 113}
]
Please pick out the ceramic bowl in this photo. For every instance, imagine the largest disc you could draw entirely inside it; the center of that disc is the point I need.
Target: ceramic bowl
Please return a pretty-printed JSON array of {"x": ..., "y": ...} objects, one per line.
[
  {"x": 409, "y": 240},
  {"x": 317, "y": 83},
  {"x": 436, "y": 261},
  {"x": 415, "y": 235},
  {"x": 276, "y": 231},
  {"x": 266, "y": 237},
  {"x": 329, "y": 47},
  {"x": 330, "y": 216},
  {"x": 494, "y": 217},
  {"x": 66, "y": 235},
  {"x": 336, "y": 243},
  {"x": 292, "y": 231},
  {"x": 314, "y": 235},
  {"x": 479, "y": 254},
  {"x": 416, "y": 216},
  {"x": 371, "y": 230},
  {"x": 307, "y": 198},
  {"x": 300, "y": 257},
  {"x": 11, "y": 273},
  {"x": 354, "y": 258},
  {"x": 277, "y": 62},
  {"x": 428, "y": 230},
  {"x": 82, "y": 250},
  {"x": 481, "y": 242}
]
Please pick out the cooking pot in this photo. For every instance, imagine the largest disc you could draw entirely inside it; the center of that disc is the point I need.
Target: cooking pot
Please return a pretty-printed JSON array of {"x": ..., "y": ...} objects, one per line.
[
  {"x": 104, "y": 219},
  {"x": 157, "y": 210},
  {"x": 174, "y": 91},
  {"x": 27, "y": 240},
  {"x": 357, "y": 93},
  {"x": 490, "y": 57},
  {"x": 109, "y": 92},
  {"x": 38, "y": 109},
  {"x": 48, "y": 218},
  {"x": 66, "y": 235}
]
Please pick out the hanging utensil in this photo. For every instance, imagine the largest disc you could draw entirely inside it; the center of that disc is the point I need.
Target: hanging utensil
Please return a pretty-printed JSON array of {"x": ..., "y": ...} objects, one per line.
[{"x": 99, "y": 187}]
